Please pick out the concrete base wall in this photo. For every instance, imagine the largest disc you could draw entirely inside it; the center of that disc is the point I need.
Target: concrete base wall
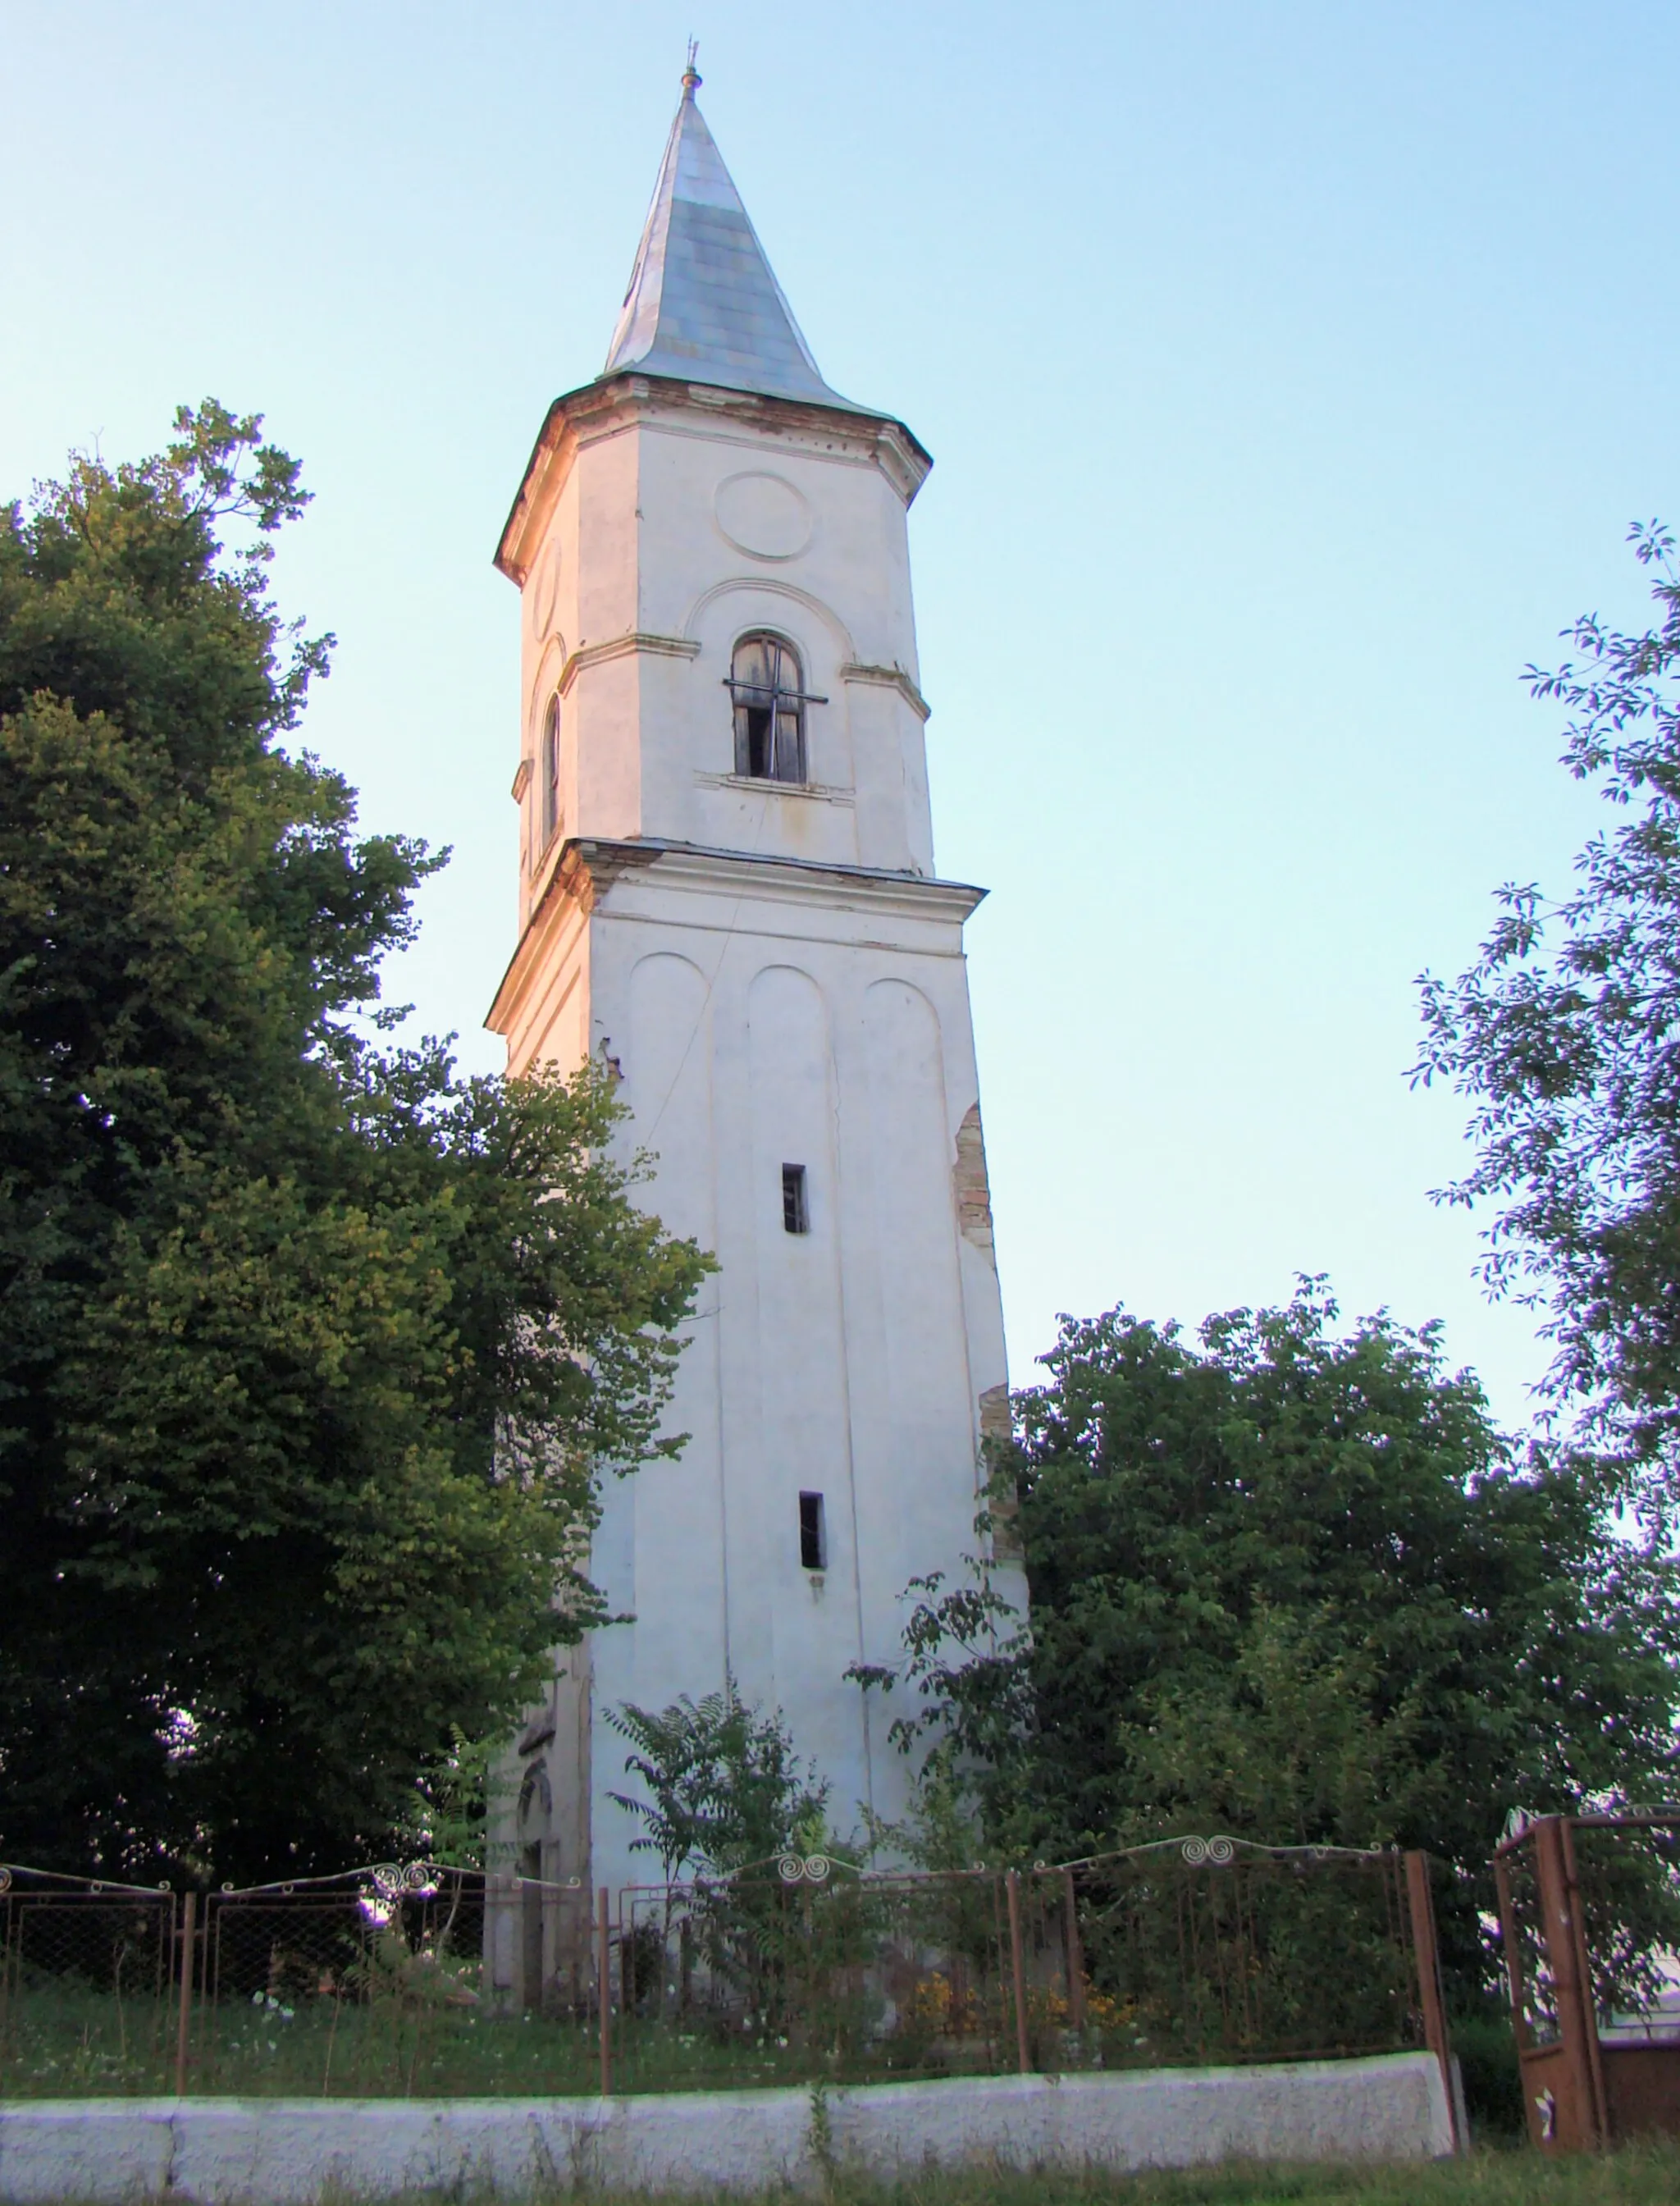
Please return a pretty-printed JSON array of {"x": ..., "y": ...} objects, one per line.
[{"x": 285, "y": 2152}]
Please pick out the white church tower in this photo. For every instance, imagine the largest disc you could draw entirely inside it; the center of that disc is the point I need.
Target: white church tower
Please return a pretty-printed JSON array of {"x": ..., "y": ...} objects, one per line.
[{"x": 727, "y": 891}]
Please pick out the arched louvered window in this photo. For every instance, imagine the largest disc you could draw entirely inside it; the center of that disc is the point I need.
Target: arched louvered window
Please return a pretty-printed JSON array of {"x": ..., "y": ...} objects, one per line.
[
  {"x": 768, "y": 686},
  {"x": 548, "y": 774}
]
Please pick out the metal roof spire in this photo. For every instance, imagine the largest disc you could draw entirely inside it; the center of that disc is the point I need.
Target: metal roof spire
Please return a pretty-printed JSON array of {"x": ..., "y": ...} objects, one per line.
[{"x": 703, "y": 303}]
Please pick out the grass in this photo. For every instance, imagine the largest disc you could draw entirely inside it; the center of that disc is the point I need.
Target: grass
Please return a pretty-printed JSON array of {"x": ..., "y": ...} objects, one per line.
[
  {"x": 1637, "y": 2176},
  {"x": 62, "y": 2038},
  {"x": 1648, "y": 2176}
]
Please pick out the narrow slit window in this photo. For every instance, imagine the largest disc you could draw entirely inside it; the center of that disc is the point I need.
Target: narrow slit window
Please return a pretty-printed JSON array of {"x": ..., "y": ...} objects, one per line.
[
  {"x": 767, "y": 685},
  {"x": 812, "y": 1533},
  {"x": 795, "y": 1207},
  {"x": 549, "y": 793}
]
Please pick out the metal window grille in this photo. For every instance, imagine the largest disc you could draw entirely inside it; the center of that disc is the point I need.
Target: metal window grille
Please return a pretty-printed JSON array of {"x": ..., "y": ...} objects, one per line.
[{"x": 767, "y": 687}]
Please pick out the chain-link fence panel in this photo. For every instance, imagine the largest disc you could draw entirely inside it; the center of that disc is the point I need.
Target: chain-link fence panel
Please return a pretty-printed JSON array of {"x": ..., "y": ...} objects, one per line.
[
  {"x": 397, "y": 1981},
  {"x": 1191, "y": 1952},
  {"x": 88, "y": 1971},
  {"x": 804, "y": 1968},
  {"x": 1629, "y": 1877},
  {"x": 1200, "y": 1951},
  {"x": 417, "y": 1980}
]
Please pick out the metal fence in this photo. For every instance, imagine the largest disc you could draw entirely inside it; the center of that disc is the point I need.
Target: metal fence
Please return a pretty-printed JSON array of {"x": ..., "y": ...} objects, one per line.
[
  {"x": 420, "y": 1981},
  {"x": 1216, "y": 1952},
  {"x": 88, "y": 1971},
  {"x": 1589, "y": 1912},
  {"x": 345, "y": 1985},
  {"x": 1188, "y": 1952}
]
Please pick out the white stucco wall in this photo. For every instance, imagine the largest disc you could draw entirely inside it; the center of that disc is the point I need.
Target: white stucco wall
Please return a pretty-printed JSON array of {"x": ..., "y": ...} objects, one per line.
[
  {"x": 780, "y": 979},
  {"x": 762, "y": 1014},
  {"x": 636, "y": 592},
  {"x": 771, "y": 1017},
  {"x": 286, "y": 2153}
]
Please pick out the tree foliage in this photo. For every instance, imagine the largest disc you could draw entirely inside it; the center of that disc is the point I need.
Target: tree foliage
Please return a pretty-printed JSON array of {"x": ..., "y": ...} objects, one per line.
[
  {"x": 725, "y": 1790},
  {"x": 312, "y": 1352},
  {"x": 1291, "y": 1583},
  {"x": 1566, "y": 1033}
]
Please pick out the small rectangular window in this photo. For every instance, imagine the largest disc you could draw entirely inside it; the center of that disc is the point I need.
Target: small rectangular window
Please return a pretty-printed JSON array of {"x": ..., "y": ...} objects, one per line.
[
  {"x": 795, "y": 1211},
  {"x": 812, "y": 1533}
]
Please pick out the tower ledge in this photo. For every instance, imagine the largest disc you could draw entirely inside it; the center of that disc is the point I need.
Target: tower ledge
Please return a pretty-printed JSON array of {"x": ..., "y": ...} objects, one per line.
[
  {"x": 613, "y": 402},
  {"x": 586, "y": 867}
]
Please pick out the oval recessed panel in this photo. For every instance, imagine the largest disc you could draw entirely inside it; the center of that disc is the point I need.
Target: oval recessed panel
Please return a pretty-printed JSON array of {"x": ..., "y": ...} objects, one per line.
[
  {"x": 764, "y": 515},
  {"x": 545, "y": 590}
]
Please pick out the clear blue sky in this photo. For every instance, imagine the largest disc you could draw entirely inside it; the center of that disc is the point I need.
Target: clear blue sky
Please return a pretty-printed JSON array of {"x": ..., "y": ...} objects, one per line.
[{"x": 1292, "y": 372}]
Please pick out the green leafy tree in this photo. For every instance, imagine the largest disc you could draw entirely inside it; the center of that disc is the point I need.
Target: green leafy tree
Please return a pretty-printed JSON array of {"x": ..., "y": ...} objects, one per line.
[
  {"x": 726, "y": 1789},
  {"x": 726, "y": 1795},
  {"x": 312, "y": 1353},
  {"x": 1291, "y": 1583},
  {"x": 1566, "y": 1033},
  {"x": 463, "y": 1809}
]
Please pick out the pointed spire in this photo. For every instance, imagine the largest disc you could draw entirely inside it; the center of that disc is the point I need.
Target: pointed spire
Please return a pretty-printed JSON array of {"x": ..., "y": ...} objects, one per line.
[{"x": 702, "y": 302}]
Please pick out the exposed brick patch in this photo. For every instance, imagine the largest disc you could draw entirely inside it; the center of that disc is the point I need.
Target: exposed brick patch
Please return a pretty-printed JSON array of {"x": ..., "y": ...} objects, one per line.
[
  {"x": 996, "y": 1432},
  {"x": 994, "y": 1414},
  {"x": 973, "y": 1191}
]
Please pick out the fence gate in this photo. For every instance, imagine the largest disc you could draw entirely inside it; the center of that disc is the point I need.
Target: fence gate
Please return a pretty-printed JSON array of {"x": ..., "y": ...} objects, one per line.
[{"x": 1589, "y": 1914}]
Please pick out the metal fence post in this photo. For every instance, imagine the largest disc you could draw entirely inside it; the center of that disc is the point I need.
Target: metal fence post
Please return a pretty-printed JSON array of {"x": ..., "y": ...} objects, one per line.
[
  {"x": 1511, "y": 1941},
  {"x": 1422, "y": 1903},
  {"x": 1576, "y": 2022},
  {"x": 1076, "y": 1959},
  {"x": 604, "y": 1980},
  {"x": 184, "y": 2019},
  {"x": 1583, "y": 1976},
  {"x": 1012, "y": 1889}
]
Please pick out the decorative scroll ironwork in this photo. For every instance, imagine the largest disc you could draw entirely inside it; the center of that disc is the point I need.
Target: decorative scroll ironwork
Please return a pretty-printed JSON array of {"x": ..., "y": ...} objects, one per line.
[
  {"x": 1220, "y": 1851},
  {"x": 810, "y": 1869}
]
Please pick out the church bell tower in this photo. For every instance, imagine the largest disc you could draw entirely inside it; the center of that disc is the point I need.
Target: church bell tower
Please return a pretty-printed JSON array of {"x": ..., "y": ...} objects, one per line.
[{"x": 727, "y": 889}]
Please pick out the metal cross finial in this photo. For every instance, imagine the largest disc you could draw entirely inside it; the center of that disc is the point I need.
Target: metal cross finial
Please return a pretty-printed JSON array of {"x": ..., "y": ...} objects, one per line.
[{"x": 691, "y": 75}]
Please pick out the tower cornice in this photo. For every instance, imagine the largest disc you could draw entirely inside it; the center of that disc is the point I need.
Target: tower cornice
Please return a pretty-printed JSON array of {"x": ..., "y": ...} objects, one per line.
[
  {"x": 586, "y": 868},
  {"x": 614, "y": 403}
]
